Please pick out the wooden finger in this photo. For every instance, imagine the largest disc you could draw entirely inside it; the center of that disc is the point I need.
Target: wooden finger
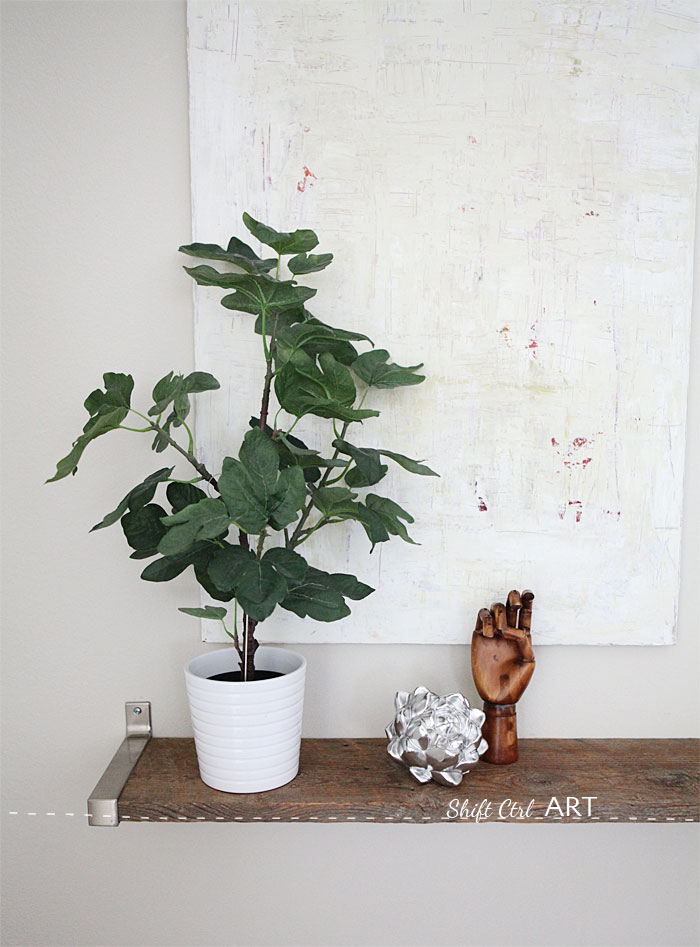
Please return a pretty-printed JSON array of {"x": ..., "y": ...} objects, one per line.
[
  {"x": 513, "y": 604},
  {"x": 485, "y": 620},
  {"x": 526, "y": 652},
  {"x": 525, "y": 618},
  {"x": 499, "y": 616}
]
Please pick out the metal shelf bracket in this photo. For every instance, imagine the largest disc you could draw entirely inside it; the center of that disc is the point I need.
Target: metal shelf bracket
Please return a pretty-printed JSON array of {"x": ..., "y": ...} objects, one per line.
[{"x": 103, "y": 802}]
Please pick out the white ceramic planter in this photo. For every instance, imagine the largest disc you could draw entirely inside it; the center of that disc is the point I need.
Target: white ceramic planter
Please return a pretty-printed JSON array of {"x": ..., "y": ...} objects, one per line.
[{"x": 247, "y": 735}]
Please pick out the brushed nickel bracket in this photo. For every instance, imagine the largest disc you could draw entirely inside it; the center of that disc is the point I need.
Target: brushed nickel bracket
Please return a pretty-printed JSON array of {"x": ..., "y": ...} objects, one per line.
[{"x": 103, "y": 806}]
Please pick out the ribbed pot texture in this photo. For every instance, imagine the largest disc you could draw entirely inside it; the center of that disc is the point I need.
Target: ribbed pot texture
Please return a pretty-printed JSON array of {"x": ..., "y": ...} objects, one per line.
[{"x": 247, "y": 734}]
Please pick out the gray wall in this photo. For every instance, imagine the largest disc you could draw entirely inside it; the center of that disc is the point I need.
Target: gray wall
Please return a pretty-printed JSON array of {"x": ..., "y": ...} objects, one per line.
[{"x": 96, "y": 201}]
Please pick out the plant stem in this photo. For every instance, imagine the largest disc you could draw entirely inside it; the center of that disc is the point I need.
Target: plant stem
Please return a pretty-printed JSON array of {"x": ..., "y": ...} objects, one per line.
[
  {"x": 340, "y": 475},
  {"x": 234, "y": 636},
  {"x": 190, "y": 445},
  {"x": 199, "y": 467},
  {"x": 307, "y": 509},
  {"x": 296, "y": 421},
  {"x": 265, "y": 404},
  {"x": 305, "y": 533}
]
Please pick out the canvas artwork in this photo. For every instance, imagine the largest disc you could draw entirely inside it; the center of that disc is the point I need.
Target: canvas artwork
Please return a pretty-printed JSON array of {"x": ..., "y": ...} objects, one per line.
[{"x": 509, "y": 192}]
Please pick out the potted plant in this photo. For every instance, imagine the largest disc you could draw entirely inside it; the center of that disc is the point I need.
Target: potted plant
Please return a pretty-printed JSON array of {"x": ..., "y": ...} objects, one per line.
[{"x": 241, "y": 530}]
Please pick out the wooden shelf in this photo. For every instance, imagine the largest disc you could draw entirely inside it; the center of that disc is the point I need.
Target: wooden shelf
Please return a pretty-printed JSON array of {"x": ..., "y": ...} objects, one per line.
[{"x": 346, "y": 780}]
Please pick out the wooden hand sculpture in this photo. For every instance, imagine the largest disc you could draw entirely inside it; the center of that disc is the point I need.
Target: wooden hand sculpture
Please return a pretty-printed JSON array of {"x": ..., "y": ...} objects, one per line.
[{"x": 502, "y": 664}]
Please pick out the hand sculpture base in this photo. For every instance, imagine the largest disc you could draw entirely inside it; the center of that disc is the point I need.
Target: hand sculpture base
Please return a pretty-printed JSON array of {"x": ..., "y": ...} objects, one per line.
[
  {"x": 502, "y": 664},
  {"x": 500, "y": 731}
]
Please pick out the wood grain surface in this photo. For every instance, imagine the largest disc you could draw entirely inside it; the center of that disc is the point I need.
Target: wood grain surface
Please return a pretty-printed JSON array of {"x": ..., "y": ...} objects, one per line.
[{"x": 345, "y": 780}]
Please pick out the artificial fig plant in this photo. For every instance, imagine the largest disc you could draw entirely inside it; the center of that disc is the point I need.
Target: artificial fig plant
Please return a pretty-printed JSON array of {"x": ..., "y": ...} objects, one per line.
[{"x": 277, "y": 486}]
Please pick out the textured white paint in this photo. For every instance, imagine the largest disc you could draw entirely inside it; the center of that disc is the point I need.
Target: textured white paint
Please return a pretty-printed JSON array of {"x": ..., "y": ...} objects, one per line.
[{"x": 509, "y": 192}]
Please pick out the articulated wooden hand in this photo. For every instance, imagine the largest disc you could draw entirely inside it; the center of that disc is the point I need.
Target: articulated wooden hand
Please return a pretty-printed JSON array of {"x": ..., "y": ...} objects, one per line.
[{"x": 502, "y": 664}]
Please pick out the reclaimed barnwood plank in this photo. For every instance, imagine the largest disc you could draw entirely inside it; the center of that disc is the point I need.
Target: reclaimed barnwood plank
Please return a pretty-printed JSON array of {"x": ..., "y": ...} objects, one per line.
[{"x": 340, "y": 780}]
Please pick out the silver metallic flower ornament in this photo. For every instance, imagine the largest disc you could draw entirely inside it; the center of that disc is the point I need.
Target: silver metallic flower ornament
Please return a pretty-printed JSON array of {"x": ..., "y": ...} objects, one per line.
[{"x": 435, "y": 737}]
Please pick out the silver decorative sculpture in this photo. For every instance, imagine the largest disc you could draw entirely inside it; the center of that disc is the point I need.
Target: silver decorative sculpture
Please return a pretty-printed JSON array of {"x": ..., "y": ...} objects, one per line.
[{"x": 435, "y": 737}]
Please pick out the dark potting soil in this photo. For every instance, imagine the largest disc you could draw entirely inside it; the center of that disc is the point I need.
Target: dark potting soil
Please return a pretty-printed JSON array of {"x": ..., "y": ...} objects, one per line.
[{"x": 237, "y": 676}]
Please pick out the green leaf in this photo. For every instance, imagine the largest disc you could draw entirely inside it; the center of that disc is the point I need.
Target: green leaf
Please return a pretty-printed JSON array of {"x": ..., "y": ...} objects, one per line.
[
  {"x": 168, "y": 567},
  {"x": 226, "y": 566},
  {"x": 196, "y": 382},
  {"x": 335, "y": 502},
  {"x": 209, "y": 611},
  {"x": 391, "y": 515},
  {"x": 310, "y": 461},
  {"x": 259, "y": 457},
  {"x": 309, "y": 262},
  {"x": 328, "y": 392},
  {"x": 300, "y": 241},
  {"x": 176, "y": 389},
  {"x": 338, "y": 503},
  {"x": 338, "y": 380},
  {"x": 368, "y": 468},
  {"x": 288, "y": 448},
  {"x": 254, "y": 490},
  {"x": 106, "y": 422},
  {"x": 208, "y": 276},
  {"x": 345, "y": 334},
  {"x": 107, "y": 410},
  {"x": 166, "y": 388},
  {"x": 279, "y": 319},
  {"x": 201, "y": 566},
  {"x": 245, "y": 502},
  {"x": 413, "y": 466},
  {"x": 259, "y": 588},
  {"x": 375, "y": 370},
  {"x": 348, "y": 585},
  {"x": 237, "y": 252},
  {"x": 313, "y": 338},
  {"x": 322, "y": 596},
  {"x": 206, "y": 519},
  {"x": 181, "y": 495},
  {"x": 144, "y": 529},
  {"x": 260, "y": 294},
  {"x": 136, "y": 498},
  {"x": 117, "y": 394},
  {"x": 313, "y": 599},
  {"x": 289, "y": 564},
  {"x": 288, "y": 497}
]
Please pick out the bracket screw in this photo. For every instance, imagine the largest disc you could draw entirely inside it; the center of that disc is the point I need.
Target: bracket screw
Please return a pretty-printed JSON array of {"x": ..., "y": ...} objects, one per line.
[{"x": 137, "y": 711}]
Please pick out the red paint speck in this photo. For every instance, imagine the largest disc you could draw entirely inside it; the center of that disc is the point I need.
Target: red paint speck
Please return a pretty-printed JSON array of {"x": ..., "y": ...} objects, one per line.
[
  {"x": 555, "y": 442},
  {"x": 591, "y": 213},
  {"x": 579, "y": 441},
  {"x": 613, "y": 513},
  {"x": 472, "y": 140},
  {"x": 578, "y": 509},
  {"x": 301, "y": 185},
  {"x": 595, "y": 302},
  {"x": 505, "y": 333},
  {"x": 533, "y": 344},
  {"x": 586, "y": 462},
  {"x": 482, "y": 505}
]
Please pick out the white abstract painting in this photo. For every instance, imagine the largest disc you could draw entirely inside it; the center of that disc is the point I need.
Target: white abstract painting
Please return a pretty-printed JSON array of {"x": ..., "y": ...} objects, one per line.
[{"x": 509, "y": 192}]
